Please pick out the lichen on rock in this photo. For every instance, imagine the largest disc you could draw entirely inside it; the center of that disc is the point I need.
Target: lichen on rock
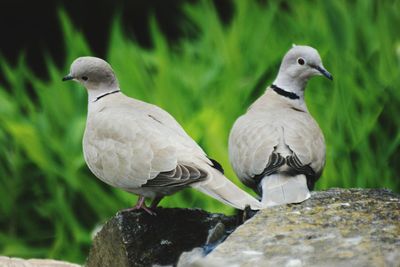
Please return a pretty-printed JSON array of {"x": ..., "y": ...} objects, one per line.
[{"x": 337, "y": 227}]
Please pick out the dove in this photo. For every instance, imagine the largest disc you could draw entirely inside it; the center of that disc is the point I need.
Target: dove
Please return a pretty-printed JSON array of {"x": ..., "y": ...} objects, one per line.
[
  {"x": 277, "y": 148},
  {"x": 140, "y": 148}
]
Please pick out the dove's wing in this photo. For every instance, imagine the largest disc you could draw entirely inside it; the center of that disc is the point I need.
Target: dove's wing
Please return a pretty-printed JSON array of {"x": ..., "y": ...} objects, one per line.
[
  {"x": 130, "y": 149},
  {"x": 304, "y": 137},
  {"x": 251, "y": 144},
  {"x": 158, "y": 114}
]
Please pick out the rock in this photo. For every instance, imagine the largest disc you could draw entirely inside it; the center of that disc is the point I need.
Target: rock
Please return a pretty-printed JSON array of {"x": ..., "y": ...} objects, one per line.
[
  {"x": 136, "y": 238},
  {"x": 191, "y": 257},
  {"x": 17, "y": 262},
  {"x": 337, "y": 227}
]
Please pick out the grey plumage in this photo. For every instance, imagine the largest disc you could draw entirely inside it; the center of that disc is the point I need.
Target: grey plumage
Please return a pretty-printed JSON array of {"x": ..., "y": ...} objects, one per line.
[
  {"x": 141, "y": 148},
  {"x": 276, "y": 147}
]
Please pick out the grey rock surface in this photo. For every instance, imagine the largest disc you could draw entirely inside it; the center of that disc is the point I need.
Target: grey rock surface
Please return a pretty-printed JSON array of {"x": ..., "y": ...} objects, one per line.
[
  {"x": 17, "y": 262},
  {"x": 136, "y": 238},
  {"x": 337, "y": 227}
]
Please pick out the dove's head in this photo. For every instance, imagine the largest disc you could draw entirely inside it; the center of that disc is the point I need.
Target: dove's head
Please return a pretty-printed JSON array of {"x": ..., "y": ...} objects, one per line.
[
  {"x": 302, "y": 62},
  {"x": 93, "y": 73}
]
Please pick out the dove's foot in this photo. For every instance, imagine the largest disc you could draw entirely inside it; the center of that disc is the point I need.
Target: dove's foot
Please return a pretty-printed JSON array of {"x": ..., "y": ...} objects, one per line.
[
  {"x": 155, "y": 202},
  {"x": 140, "y": 205},
  {"x": 246, "y": 214},
  {"x": 146, "y": 209}
]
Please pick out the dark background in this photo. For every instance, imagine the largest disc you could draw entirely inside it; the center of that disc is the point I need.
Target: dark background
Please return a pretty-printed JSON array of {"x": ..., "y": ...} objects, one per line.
[{"x": 33, "y": 26}]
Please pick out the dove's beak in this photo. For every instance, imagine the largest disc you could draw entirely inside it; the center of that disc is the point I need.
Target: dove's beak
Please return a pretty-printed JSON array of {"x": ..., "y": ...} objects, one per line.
[
  {"x": 323, "y": 71},
  {"x": 67, "y": 78}
]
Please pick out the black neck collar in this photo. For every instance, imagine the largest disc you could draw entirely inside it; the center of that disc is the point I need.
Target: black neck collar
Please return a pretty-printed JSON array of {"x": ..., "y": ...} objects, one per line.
[
  {"x": 106, "y": 94},
  {"x": 284, "y": 93}
]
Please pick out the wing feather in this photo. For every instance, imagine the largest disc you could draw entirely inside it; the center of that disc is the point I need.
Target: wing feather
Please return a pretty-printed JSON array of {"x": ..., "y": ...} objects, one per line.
[
  {"x": 180, "y": 179},
  {"x": 126, "y": 148}
]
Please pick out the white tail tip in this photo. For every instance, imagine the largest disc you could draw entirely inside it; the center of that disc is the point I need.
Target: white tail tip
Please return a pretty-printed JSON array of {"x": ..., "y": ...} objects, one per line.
[{"x": 278, "y": 189}]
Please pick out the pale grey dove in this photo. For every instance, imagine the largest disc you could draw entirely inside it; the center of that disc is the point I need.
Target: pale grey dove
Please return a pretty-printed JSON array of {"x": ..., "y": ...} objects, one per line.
[
  {"x": 276, "y": 147},
  {"x": 141, "y": 148}
]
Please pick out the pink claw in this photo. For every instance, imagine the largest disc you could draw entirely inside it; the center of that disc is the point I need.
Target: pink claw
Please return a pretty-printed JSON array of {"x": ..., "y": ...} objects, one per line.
[{"x": 140, "y": 204}]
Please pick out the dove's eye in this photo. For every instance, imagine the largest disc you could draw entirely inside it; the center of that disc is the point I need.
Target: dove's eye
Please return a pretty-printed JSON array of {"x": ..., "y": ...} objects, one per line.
[
  {"x": 85, "y": 78},
  {"x": 301, "y": 61}
]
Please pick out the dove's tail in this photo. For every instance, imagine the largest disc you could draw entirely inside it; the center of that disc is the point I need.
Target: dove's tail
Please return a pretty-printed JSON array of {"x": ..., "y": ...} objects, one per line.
[
  {"x": 222, "y": 189},
  {"x": 280, "y": 189}
]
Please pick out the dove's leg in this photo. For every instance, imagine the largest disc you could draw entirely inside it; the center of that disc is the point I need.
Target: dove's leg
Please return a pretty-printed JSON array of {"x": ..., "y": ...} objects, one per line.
[
  {"x": 140, "y": 204},
  {"x": 155, "y": 202},
  {"x": 246, "y": 214}
]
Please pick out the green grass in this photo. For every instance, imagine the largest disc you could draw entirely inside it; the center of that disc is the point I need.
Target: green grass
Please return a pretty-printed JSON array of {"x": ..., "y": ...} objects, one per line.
[{"x": 50, "y": 202}]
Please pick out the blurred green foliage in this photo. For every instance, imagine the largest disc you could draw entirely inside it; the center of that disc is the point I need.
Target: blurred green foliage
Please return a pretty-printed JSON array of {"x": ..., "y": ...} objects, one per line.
[{"x": 50, "y": 202}]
